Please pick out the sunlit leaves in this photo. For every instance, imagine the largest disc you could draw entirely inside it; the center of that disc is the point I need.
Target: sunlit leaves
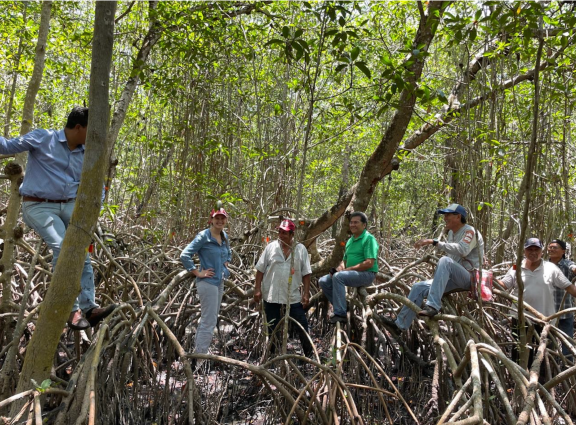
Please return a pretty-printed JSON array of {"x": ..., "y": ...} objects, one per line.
[
  {"x": 364, "y": 68},
  {"x": 293, "y": 45}
]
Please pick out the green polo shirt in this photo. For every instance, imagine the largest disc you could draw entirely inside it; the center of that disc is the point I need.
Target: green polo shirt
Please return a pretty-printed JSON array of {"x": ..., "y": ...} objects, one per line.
[{"x": 361, "y": 248}]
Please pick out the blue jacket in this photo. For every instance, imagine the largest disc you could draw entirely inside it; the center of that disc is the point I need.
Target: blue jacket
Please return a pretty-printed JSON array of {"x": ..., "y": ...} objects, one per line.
[{"x": 212, "y": 256}]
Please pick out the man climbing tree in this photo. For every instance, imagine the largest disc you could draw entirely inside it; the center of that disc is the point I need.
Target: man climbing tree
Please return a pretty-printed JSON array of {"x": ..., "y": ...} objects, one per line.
[{"x": 49, "y": 195}]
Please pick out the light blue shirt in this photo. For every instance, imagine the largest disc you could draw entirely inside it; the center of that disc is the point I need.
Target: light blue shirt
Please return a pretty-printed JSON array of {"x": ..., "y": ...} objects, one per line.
[
  {"x": 212, "y": 256},
  {"x": 53, "y": 170}
]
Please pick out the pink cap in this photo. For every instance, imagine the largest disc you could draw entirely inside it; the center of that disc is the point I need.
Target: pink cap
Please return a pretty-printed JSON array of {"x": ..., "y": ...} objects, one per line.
[
  {"x": 287, "y": 225},
  {"x": 220, "y": 211}
]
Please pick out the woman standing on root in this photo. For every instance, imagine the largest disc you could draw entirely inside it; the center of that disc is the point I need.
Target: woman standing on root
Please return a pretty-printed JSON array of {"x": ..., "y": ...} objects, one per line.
[{"x": 213, "y": 249}]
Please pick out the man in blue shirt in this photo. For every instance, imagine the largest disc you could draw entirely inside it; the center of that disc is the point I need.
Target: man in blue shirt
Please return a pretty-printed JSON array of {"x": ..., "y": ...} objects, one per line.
[{"x": 49, "y": 195}]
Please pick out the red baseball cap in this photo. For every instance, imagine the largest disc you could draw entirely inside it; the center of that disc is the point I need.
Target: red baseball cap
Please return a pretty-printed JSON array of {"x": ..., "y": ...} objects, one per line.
[
  {"x": 287, "y": 225},
  {"x": 220, "y": 211}
]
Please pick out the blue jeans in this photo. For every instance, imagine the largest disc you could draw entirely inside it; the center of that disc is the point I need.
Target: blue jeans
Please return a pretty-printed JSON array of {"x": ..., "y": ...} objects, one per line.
[
  {"x": 334, "y": 287},
  {"x": 449, "y": 275},
  {"x": 567, "y": 326},
  {"x": 50, "y": 221},
  {"x": 210, "y": 300}
]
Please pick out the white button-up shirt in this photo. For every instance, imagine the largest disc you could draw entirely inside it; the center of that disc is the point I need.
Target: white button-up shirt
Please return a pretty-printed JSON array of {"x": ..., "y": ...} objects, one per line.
[
  {"x": 276, "y": 270},
  {"x": 539, "y": 285}
]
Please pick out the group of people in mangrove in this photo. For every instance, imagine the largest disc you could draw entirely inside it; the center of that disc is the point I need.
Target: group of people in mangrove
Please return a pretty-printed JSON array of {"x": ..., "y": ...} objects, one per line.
[{"x": 283, "y": 271}]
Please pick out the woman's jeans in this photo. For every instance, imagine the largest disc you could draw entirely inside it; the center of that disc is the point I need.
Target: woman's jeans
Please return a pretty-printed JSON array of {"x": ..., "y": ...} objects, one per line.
[{"x": 210, "y": 300}]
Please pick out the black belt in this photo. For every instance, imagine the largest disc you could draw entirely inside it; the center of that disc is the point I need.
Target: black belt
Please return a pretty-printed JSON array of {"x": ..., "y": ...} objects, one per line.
[{"x": 54, "y": 201}]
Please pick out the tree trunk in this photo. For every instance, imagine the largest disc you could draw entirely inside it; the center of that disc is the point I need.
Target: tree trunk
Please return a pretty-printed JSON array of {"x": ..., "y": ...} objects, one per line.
[
  {"x": 375, "y": 168},
  {"x": 17, "y": 58},
  {"x": 530, "y": 165},
  {"x": 154, "y": 33},
  {"x": 66, "y": 279},
  {"x": 15, "y": 170},
  {"x": 566, "y": 141}
]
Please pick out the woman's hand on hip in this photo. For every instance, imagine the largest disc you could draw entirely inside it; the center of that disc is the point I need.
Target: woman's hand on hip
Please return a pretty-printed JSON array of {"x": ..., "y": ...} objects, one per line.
[{"x": 205, "y": 273}]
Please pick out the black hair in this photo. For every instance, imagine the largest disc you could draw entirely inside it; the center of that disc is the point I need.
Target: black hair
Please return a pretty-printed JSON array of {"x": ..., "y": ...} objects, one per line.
[
  {"x": 78, "y": 115},
  {"x": 562, "y": 245},
  {"x": 462, "y": 219},
  {"x": 360, "y": 214},
  {"x": 223, "y": 237},
  {"x": 560, "y": 242}
]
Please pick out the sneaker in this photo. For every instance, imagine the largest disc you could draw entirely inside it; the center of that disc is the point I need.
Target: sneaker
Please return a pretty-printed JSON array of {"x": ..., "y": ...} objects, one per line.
[
  {"x": 428, "y": 311},
  {"x": 97, "y": 314},
  {"x": 391, "y": 325},
  {"x": 337, "y": 318}
]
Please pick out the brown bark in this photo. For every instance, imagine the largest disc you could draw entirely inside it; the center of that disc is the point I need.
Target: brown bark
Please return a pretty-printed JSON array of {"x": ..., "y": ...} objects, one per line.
[
  {"x": 566, "y": 141},
  {"x": 375, "y": 168},
  {"x": 454, "y": 112},
  {"x": 530, "y": 166}
]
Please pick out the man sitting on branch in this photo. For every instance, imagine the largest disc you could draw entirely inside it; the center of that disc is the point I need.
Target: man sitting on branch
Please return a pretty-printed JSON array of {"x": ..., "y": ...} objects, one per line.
[
  {"x": 464, "y": 247},
  {"x": 358, "y": 268}
]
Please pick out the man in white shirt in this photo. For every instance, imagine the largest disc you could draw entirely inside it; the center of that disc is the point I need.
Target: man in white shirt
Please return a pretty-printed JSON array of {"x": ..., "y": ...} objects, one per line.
[
  {"x": 540, "y": 280},
  {"x": 273, "y": 276}
]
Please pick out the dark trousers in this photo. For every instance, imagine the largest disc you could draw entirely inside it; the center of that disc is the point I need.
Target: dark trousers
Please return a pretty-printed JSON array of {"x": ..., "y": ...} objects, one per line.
[
  {"x": 567, "y": 326},
  {"x": 274, "y": 312},
  {"x": 532, "y": 352}
]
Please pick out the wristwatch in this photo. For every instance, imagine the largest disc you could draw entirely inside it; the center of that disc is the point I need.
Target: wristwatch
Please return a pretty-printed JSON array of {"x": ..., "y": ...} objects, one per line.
[{"x": 434, "y": 242}]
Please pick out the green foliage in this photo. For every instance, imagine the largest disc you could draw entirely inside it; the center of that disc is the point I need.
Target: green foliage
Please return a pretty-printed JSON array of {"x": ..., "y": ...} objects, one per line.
[
  {"x": 46, "y": 384},
  {"x": 109, "y": 211},
  {"x": 224, "y": 102}
]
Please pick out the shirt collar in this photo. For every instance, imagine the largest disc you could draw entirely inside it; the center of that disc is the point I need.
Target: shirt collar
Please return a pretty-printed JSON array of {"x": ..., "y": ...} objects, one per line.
[
  {"x": 62, "y": 139},
  {"x": 209, "y": 234},
  {"x": 354, "y": 238},
  {"x": 539, "y": 265}
]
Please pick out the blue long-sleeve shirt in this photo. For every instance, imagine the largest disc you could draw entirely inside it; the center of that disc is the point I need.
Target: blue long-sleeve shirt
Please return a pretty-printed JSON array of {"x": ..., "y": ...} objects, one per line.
[
  {"x": 212, "y": 256},
  {"x": 53, "y": 170}
]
